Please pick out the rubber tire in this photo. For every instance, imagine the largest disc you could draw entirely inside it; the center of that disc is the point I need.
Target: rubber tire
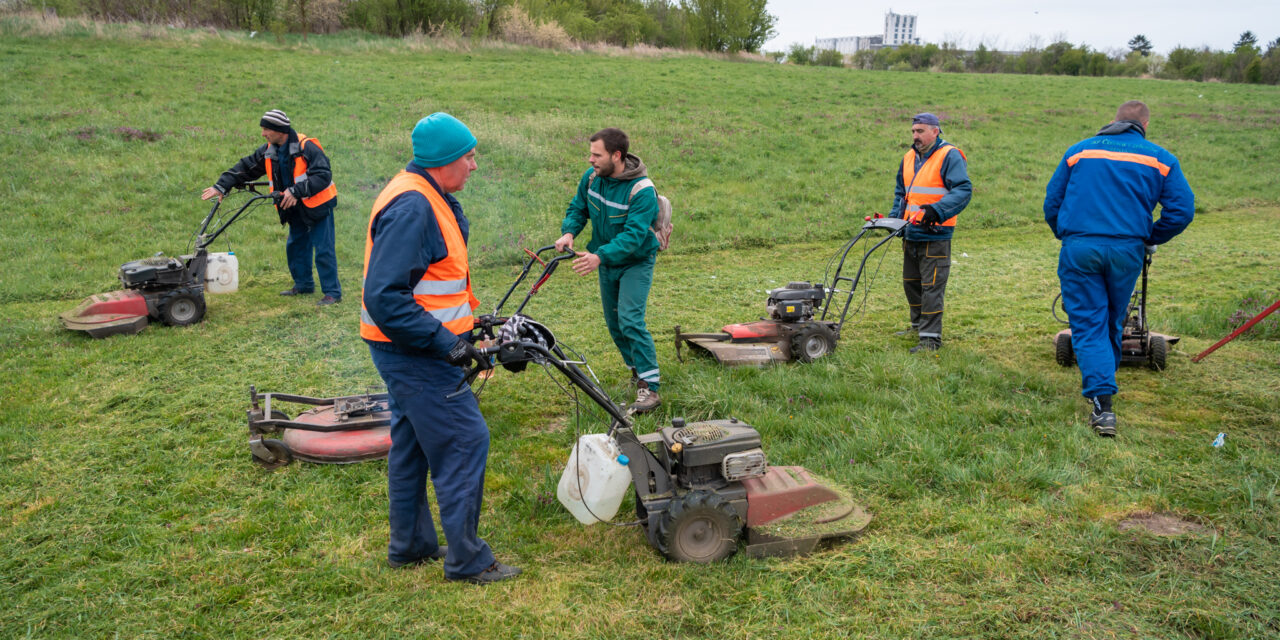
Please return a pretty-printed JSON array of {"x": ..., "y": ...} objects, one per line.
[
  {"x": 812, "y": 343},
  {"x": 1063, "y": 351},
  {"x": 1159, "y": 353},
  {"x": 182, "y": 308},
  {"x": 277, "y": 414},
  {"x": 279, "y": 450},
  {"x": 694, "y": 515}
]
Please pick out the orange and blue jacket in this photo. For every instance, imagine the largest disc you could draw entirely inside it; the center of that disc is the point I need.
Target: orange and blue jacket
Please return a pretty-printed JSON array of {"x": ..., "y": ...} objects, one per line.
[
  {"x": 417, "y": 295},
  {"x": 305, "y": 171},
  {"x": 939, "y": 178},
  {"x": 1106, "y": 188}
]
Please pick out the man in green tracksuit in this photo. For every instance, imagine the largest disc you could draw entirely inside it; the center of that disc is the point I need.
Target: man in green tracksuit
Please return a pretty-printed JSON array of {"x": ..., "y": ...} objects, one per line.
[{"x": 617, "y": 198}]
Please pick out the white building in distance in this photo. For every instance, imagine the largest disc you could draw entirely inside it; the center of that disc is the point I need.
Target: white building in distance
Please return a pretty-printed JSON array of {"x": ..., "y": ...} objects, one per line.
[{"x": 899, "y": 29}]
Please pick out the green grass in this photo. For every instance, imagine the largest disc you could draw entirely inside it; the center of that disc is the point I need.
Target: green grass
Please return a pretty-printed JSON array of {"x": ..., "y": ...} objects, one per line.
[{"x": 129, "y": 506}]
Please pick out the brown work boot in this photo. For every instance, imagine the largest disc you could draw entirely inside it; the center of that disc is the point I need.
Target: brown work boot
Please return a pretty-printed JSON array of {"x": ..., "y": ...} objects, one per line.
[{"x": 646, "y": 400}]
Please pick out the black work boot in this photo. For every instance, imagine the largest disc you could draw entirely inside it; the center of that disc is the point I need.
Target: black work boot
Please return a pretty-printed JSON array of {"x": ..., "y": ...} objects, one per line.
[
  {"x": 497, "y": 572},
  {"x": 927, "y": 344},
  {"x": 1102, "y": 419}
]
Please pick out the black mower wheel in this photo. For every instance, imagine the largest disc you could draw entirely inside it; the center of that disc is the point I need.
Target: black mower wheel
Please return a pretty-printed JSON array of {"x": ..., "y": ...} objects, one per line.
[
  {"x": 182, "y": 308},
  {"x": 1159, "y": 353},
  {"x": 699, "y": 526},
  {"x": 279, "y": 451},
  {"x": 813, "y": 343},
  {"x": 1065, "y": 355}
]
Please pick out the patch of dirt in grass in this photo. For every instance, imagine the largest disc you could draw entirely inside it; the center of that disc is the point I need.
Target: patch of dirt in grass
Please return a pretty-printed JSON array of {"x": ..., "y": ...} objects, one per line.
[
  {"x": 130, "y": 134},
  {"x": 1161, "y": 524},
  {"x": 555, "y": 425}
]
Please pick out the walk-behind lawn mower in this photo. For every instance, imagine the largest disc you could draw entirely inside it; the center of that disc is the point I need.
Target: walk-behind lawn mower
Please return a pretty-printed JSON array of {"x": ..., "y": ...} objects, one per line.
[
  {"x": 336, "y": 431},
  {"x": 701, "y": 487},
  {"x": 1138, "y": 344},
  {"x": 804, "y": 320},
  {"x": 344, "y": 429},
  {"x": 160, "y": 288}
]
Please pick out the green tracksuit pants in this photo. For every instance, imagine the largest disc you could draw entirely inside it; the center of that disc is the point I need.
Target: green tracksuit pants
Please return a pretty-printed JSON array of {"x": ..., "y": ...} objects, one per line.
[{"x": 624, "y": 292}]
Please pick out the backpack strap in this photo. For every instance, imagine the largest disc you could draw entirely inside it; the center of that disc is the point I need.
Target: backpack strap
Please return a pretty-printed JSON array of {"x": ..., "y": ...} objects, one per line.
[{"x": 638, "y": 185}]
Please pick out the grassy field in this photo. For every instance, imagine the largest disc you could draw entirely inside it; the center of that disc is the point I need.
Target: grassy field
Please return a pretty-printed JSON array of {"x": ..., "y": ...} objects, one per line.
[{"x": 129, "y": 506}]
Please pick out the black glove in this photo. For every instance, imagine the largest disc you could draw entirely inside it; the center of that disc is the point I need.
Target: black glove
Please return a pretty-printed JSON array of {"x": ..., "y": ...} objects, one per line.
[
  {"x": 930, "y": 217},
  {"x": 464, "y": 353}
]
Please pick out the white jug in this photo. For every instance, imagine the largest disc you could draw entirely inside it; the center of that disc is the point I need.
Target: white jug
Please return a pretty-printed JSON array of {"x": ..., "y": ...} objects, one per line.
[
  {"x": 222, "y": 275},
  {"x": 595, "y": 479}
]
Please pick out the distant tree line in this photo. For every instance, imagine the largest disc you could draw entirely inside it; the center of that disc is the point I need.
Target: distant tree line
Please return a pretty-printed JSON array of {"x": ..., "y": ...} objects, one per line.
[
  {"x": 711, "y": 25},
  {"x": 1245, "y": 62}
]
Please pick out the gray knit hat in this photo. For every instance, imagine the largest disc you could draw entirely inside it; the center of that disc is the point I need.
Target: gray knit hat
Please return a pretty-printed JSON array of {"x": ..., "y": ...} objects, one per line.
[{"x": 276, "y": 120}]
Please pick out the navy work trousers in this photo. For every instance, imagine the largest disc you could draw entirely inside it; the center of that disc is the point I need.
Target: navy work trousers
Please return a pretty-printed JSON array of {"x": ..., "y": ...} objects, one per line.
[
  {"x": 1097, "y": 277},
  {"x": 304, "y": 240},
  {"x": 446, "y": 438}
]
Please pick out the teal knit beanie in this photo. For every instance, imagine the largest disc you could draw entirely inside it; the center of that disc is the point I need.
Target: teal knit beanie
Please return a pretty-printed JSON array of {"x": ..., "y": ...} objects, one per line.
[{"x": 439, "y": 139}]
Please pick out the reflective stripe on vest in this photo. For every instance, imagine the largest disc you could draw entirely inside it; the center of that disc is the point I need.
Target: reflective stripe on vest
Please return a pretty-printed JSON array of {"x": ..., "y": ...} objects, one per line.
[
  {"x": 300, "y": 175},
  {"x": 445, "y": 289},
  {"x": 926, "y": 186}
]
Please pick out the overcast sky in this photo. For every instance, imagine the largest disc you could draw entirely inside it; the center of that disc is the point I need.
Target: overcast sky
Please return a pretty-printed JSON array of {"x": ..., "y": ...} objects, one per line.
[{"x": 1010, "y": 25}]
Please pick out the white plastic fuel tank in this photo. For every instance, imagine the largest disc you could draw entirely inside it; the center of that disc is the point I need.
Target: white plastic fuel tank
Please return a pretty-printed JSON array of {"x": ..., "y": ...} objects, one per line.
[
  {"x": 595, "y": 480},
  {"x": 223, "y": 273}
]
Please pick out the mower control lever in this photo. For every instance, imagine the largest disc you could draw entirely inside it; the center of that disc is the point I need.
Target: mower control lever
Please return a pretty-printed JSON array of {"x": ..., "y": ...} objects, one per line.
[{"x": 465, "y": 384}]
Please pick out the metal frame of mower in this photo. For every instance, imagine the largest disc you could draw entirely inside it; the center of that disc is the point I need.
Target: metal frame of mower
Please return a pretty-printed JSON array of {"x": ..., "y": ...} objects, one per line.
[
  {"x": 1138, "y": 344},
  {"x": 161, "y": 288},
  {"x": 803, "y": 325},
  {"x": 337, "y": 430},
  {"x": 345, "y": 429},
  {"x": 701, "y": 487}
]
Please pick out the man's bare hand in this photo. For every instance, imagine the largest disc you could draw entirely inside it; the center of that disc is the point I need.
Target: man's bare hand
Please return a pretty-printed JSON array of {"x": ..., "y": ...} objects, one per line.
[
  {"x": 585, "y": 263},
  {"x": 287, "y": 200},
  {"x": 565, "y": 242},
  {"x": 211, "y": 193}
]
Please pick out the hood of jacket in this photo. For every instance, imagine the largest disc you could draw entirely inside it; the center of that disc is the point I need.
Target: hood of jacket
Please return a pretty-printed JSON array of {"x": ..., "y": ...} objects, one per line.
[
  {"x": 1121, "y": 126},
  {"x": 632, "y": 168}
]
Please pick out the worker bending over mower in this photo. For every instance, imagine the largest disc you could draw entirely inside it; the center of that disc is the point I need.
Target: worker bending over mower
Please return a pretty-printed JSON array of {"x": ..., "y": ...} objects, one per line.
[
  {"x": 933, "y": 188},
  {"x": 298, "y": 170},
  {"x": 1099, "y": 204},
  {"x": 416, "y": 318},
  {"x": 616, "y": 196}
]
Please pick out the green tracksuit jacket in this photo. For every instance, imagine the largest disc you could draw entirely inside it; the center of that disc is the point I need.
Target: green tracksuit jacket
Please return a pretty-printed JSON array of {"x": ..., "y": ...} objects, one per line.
[{"x": 620, "y": 235}]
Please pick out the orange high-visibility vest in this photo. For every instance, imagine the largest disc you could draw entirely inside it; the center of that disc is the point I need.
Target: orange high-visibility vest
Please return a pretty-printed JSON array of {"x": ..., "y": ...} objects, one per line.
[
  {"x": 300, "y": 175},
  {"x": 925, "y": 187},
  {"x": 445, "y": 289}
]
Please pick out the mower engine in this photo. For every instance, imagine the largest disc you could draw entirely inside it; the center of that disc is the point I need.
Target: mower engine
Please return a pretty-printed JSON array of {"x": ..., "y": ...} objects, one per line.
[
  {"x": 157, "y": 272},
  {"x": 795, "y": 302}
]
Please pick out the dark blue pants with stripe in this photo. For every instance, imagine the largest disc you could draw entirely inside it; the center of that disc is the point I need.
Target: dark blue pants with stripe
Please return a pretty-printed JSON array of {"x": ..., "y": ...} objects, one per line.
[
  {"x": 446, "y": 438},
  {"x": 925, "y": 269},
  {"x": 1097, "y": 277}
]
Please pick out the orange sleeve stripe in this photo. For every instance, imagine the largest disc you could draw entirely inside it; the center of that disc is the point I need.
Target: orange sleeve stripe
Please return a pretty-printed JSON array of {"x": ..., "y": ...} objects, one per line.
[{"x": 1119, "y": 157}]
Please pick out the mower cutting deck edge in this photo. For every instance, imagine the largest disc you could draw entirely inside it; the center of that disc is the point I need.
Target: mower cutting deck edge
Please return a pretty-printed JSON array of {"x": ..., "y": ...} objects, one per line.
[
  {"x": 160, "y": 288},
  {"x": 345, "y": 429},
  {"x": 1138, "y": 344},
  {"x": 803, "y": 324},
  {"x": 701, "y": 487},
  {"x": 338, "y": 430}
]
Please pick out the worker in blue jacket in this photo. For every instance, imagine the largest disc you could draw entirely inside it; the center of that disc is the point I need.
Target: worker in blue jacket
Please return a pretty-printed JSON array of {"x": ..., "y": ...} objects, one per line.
[
  {"x": 416, "y": 316},
  {"x": 932, "y": 189},
  {"x": 1099, "y": 204}
]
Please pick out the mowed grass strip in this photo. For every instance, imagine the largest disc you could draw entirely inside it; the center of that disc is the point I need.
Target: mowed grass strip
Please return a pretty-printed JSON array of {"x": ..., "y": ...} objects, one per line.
[{"x": 129, "y": 505}]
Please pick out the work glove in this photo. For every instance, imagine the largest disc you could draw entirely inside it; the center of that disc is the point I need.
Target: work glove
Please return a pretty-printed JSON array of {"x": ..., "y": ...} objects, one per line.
[
  {"x": 930, "y": 217},
  {"x": 1151, "y": 249},
  {"x": 464, "y": 353}
]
